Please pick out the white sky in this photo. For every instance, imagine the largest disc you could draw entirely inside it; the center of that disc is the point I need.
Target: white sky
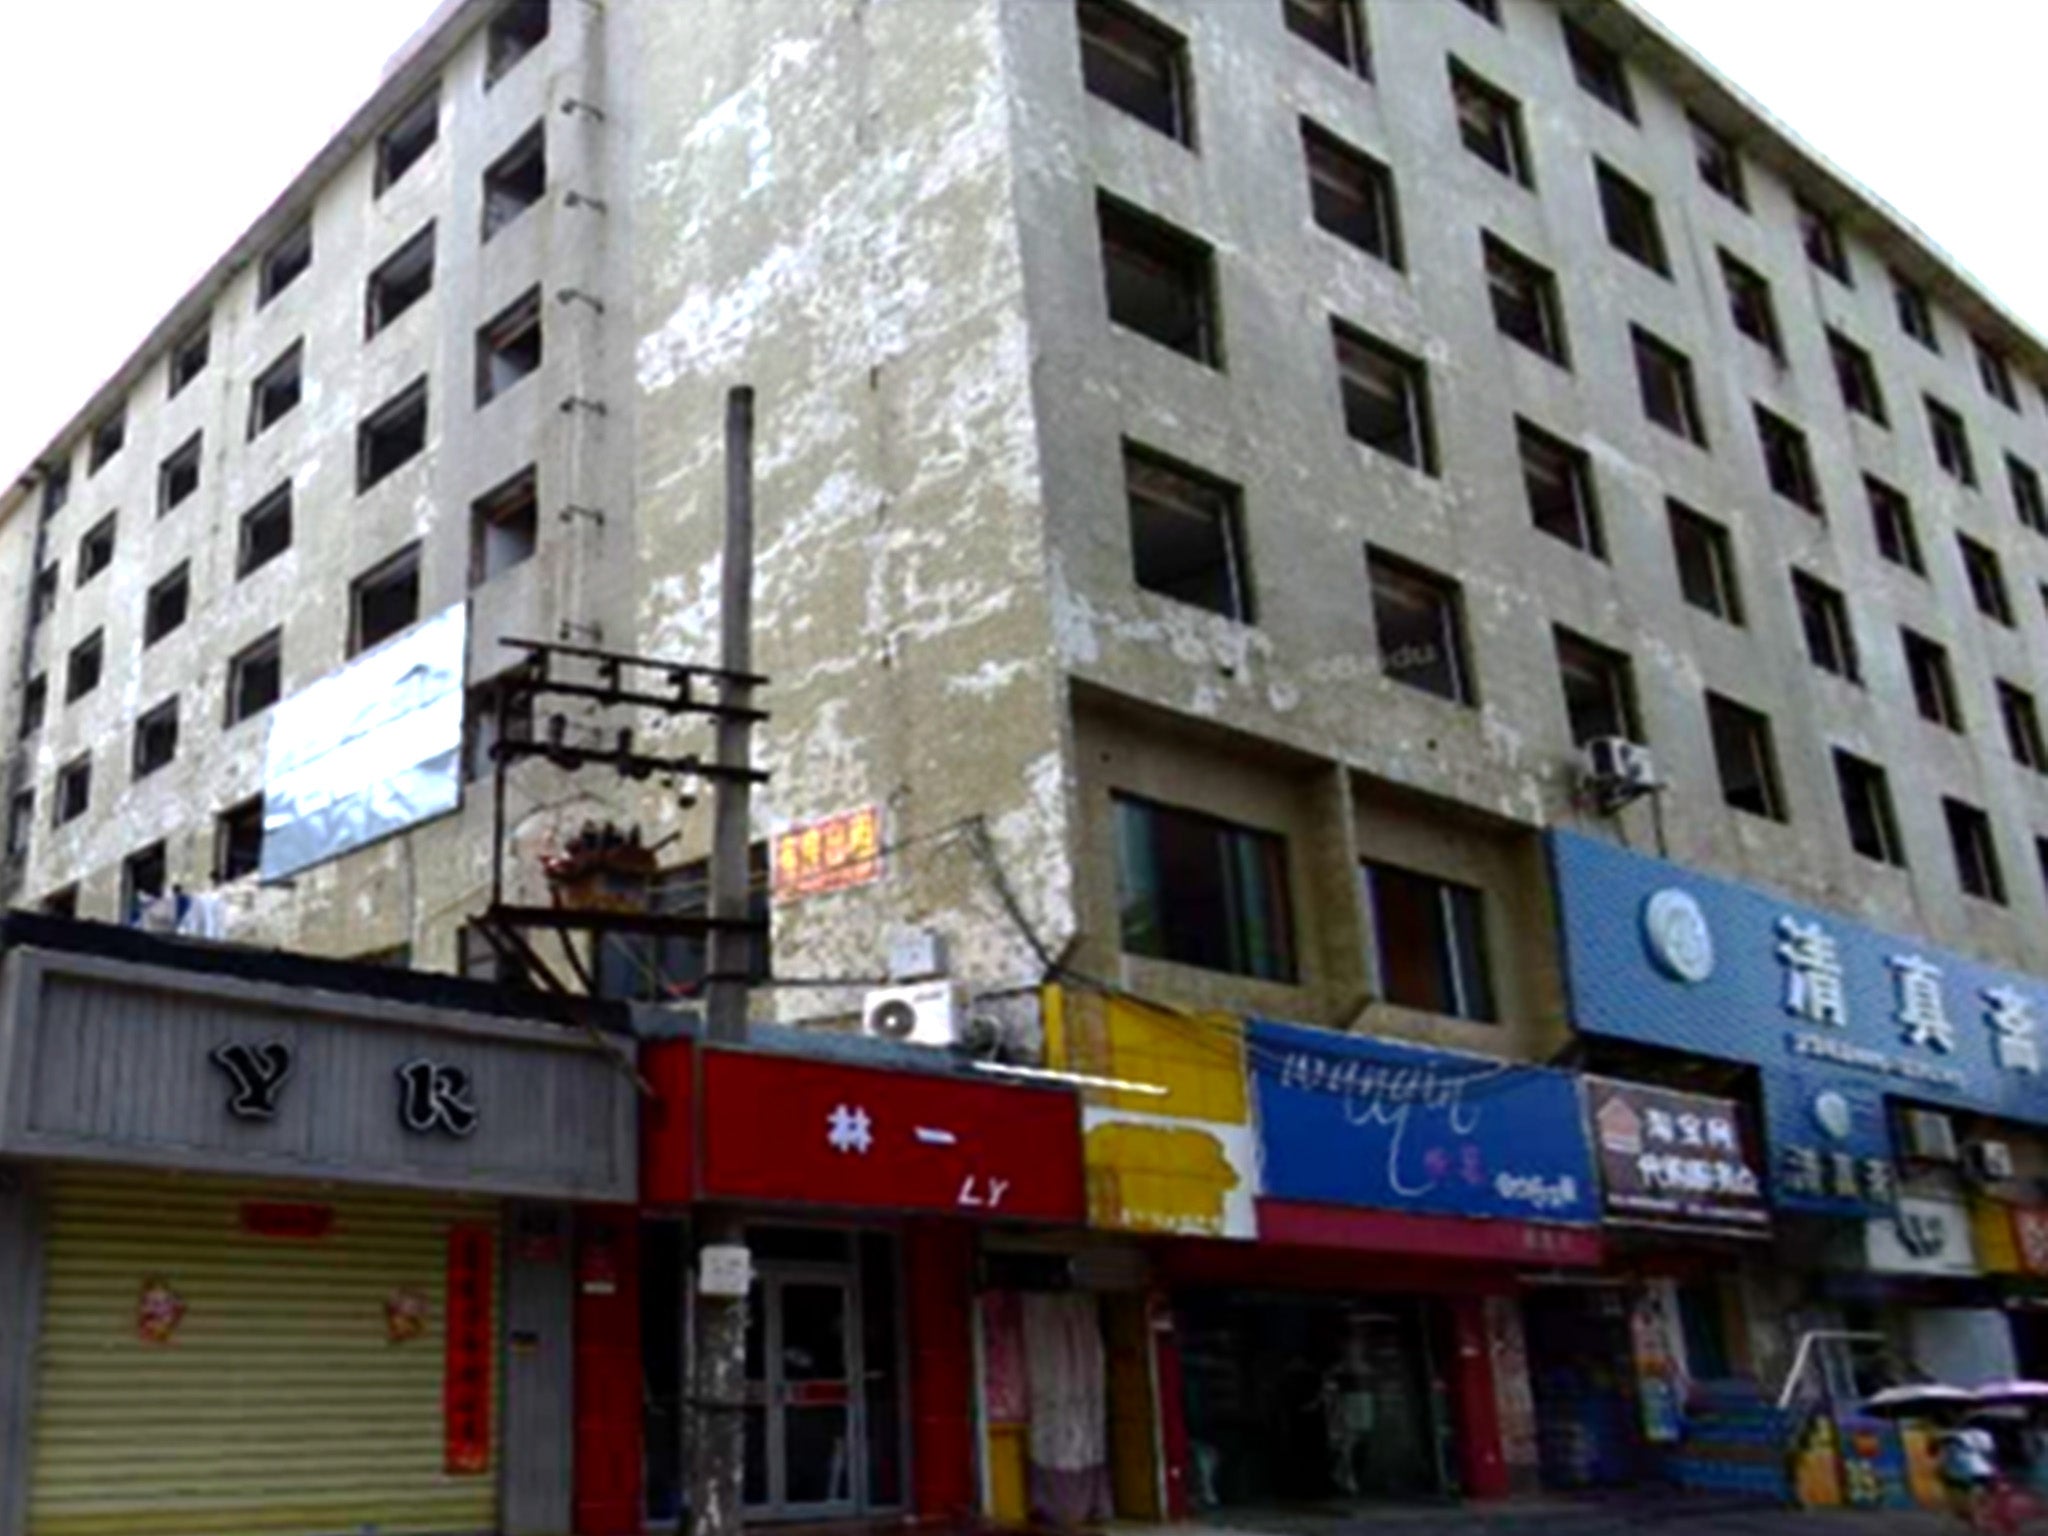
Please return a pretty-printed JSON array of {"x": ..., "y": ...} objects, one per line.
[{"x": 138, "y": 138}]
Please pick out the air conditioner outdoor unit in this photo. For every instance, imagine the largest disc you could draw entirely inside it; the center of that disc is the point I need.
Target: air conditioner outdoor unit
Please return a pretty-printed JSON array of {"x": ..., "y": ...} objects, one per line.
[
  {"x": 930, "y": 1013},
  {"x": 1930, "y": 1136},
  {"x": 1989, "y": 1160},
  {"x": 1619, "y": 770}
]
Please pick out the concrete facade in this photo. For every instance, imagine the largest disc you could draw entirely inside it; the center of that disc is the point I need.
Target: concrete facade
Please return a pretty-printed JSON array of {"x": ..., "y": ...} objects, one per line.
[{"x": 881, "y": 214}]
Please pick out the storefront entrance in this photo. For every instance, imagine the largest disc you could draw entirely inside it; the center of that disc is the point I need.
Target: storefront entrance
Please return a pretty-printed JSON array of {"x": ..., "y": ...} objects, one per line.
[
  {"x": 1582, "y": 1372},
  {"x": 804, "y": 1432},
  {"x": 1311, "y": 1399}
]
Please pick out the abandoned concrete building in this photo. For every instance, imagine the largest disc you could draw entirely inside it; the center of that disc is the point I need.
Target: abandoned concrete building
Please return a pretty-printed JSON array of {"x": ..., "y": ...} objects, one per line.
[{"x": 1220, "y": 467}]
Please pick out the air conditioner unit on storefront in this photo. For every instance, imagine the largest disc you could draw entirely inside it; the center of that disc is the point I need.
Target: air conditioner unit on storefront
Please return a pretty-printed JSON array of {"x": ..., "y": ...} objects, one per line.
[
  {"x": 1930, "y": 1136},
  {"x": 931, "y": 1013},
  {"x": 1988, "y": 1160}
]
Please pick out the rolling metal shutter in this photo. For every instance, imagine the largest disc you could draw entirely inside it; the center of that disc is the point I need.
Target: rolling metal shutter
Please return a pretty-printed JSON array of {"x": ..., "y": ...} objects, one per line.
[{"x": 280, "y": 1405}]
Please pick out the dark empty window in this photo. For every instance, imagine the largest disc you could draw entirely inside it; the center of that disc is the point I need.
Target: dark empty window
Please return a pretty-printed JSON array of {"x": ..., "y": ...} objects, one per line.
[
  {"x": 519, "y": 27},
  {"x": 35, "y": 703},
  {"x": 1131, "y": 61},
  {"x": 1599, "y": 71},
  {"x": 1186, "y": 535},
  {"x": 1485, "y": 10},
  {"x": 1599, "y": 689},
  {"x": 255, "y": 677},
  {"x": 1160, "y": 282},
  {"x": 2027, "y": 500},
  {"x": 1986, "y": 578},
  {"x": 1719, "y": 162},
  {"x": 492, "y": 711},
  {"x": 95, "y": 550},
  {"x": 1856, "y": 377},
  {"x": 406, "y": 142},
  {"x": 1916, "y": 315},
  {"x": 1525, "y": 302},
  {"x": 1418, "y": 619},
  {"x": 1996, "y": 373},
  {"x": 1822, "y": 238},
  {"x": 1335, "y": 26},
  {"x": 1352, "y": 194},
  {"x": 504, "y": 528},
  {"x": 1745, "y": 758},
  {"x": 508, "y": 348},
  {"x": 1976, "y": 851},
  {"x": 21, "y": 821},
  {"x": 238, "y": 840},
  {"x": 109, "y": 433},
  {"x": 178, "y": 476},
  {"x": 406, "y": 277},
  {"x": 1867, "y": 809},
  {"x": 1385, "y": 396},
  {"x": 1934, "y": 685},
  {"x": 1430, "y": 939},
  {"x": 1490, "y": 124},
  {"x": 392, "y": 435},
  {"x": 1788, "y": 464},
  {"x": 63, "y": 903},
  {"x": 156, "y": 739},
  {"x": 266, "y": 531},
  {"x": 144, "y": 875},
  {"x": 2022, "y": 726},
  {"x": 516, "y": 180},
  {"x": 189, "y": 355},
  {"x": 1824, "y": 619},
  {"x": 277, "y": 390},
  {"x": 43, "y": 596},
  {"x": 1630, "y": 216},
  {"x": 164, "y": 609},
  {"x": 1951, "y": 442},
  {"x": 1558, "y": 480},
  {"x": 82, "y": 668},
  {"x": 1891, "y": 520},
  {"x": 1203, "y": 892},
  {"x": 285, "y": 262},
  {"x": 384, "y": 600},
  {"x": 1664, "y": 380},
  {"x": 74, "y": 790},
  {"x": 56, "y": 487},
  {"x": 1706, "y": 562},
  {"x": 1750, "y": 305}
]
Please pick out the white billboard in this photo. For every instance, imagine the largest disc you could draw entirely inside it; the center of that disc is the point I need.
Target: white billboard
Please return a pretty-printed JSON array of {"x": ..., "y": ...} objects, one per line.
[{"x": 367, "y": 751}]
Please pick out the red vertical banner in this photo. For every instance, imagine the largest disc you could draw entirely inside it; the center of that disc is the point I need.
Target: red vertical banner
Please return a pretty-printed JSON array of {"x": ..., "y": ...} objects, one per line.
[
  {"x": 466, "y": 1382},
  {"x": 1482, "y": 1465},
  {"x": 939, "y": 1278}
]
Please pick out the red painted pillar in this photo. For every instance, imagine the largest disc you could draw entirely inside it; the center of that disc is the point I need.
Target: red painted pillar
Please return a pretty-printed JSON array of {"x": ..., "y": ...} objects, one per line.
[
  {"x": 1482, "y": 1464},
  {"x": 609, "y": 1431},
  {"x": 1173, "y": 1423},
  {"x": 939, "y": 1270}
]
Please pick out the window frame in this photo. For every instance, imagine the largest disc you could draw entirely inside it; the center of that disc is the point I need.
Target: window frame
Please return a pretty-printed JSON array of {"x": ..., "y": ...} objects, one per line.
[
  {"x": 1142, "y": 245},
  {"x": 1163, "y": 47},
  {"x": 1599, "y": 70},
  {"x": 1503, "y": 113},
  {"x": 1147, "y": 473},
  {"x": 1279, "y": 962},
  {"x": 1788, "y": 461},
  {"x": 1462, "y": 950},
  {"x": 1932, "y": 679},
  {"x": 1364, "y": 361},
  {"x": 1716, "y": 545},
  {"x": 283, "y": 380},
  {"x": 1626, "y": 203},
  {"x": 1864, "y": 791},
  {"x": 1377, "y": 197},
  {"x": 370, "y": 428},
  {"x": 1392, "y": 579},
  {"x": 1984, "y": 575},
  {"x": 1824, "y": 621},
  {"x": 155, "y": 742},
  {"x": 1540, "y": 452},
  {"x": 266, "y": 648},
  {"x": 1538, "y": 297},
  {"x": 379, "y": 314},
  {"x": 2021, "y": 717},
  {"x": 1856, "y": 378},
  {"x": 1579, "y": 656},
  {"x": 407, "y": 139},
  {"x": 287, "y": 258},
  {"x": 1672, "y": 380},
  {"x": 401, "y": 565},
  {"x": 177, "y": 580},
  {"x": 1950, "y": 436},
  {"x": 1718, "y": 162},
  {"x": 1759, "y": 746},
  {"x": 1892, "y": 523},
  {"x": 1970, "y": 825}
]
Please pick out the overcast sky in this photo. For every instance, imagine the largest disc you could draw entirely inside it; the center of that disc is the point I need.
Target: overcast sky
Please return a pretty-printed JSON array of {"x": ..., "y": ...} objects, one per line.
[{"x": 138, "y": 138}]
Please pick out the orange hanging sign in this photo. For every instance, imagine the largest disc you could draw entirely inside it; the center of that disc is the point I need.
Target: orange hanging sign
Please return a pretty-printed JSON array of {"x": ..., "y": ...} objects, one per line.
[
  {"x": 818, "y": 857},
  {"x": 466, "y": 1385}
]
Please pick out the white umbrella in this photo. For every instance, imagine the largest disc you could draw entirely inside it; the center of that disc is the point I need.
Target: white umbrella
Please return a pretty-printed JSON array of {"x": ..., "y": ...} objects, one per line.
[
  {"x": 1918, "y": 1401},
  {"x": 2012, "y": 1394}
]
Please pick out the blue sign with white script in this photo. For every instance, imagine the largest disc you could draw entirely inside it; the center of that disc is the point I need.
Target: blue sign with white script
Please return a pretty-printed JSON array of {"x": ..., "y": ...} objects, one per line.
[
  {"x": 1355, "y": 1120},
  {"x": 1837, "y": 1017}
]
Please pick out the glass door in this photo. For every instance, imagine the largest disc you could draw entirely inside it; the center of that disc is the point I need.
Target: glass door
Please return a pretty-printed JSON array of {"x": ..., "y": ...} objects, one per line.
[{"x": 804, "y": 1417}]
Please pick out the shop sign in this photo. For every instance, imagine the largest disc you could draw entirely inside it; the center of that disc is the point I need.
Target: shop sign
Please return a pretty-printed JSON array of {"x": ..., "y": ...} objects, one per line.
[
  {"x": 2030, "y": 1236},
  {"x": 1922, "y": 1236},
  {"x": 1185, "y": 1178},
  {"x": 287, "y": 1219},
  {"x": 466, "y": 1382},
  {"x": 432, "y": 1096},
  {"x": 1671, "y": 1158},
  {"x": 1359, "y": 1121},
  {"x": 1835, "y": 1015},
  {"x": 791, "y": 1128},
  {"x": 818, "y": 857}
]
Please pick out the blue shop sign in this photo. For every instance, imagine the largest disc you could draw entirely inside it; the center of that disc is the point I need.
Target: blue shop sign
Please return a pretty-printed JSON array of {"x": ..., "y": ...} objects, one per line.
[
  {"x": 1353, "y": 1120},
  {"x": 1837, "y": 1016}
]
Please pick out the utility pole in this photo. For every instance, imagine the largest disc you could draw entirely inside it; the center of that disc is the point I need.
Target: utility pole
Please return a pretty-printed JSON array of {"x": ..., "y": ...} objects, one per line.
[{"x": 718, "y": 1447}]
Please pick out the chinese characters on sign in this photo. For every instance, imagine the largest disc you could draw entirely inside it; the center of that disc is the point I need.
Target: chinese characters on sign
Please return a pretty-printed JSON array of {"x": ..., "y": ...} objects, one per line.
[
  {"x": 819, "y": 857},
  {"x": 466, "y": 1385},
  {"x": 1674, "y": 1157}
]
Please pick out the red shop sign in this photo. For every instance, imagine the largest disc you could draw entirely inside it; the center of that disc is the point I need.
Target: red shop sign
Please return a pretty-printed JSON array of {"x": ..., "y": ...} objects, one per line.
[
  {"x": 787, "y": 1128},
  {"x": 275, "y": 1218},
  {"x": 466, "y": 1384}
]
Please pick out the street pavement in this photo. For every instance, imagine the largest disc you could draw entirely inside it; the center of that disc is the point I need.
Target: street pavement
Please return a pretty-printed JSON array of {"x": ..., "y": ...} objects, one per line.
[{"x": 1670, "y": 1514}]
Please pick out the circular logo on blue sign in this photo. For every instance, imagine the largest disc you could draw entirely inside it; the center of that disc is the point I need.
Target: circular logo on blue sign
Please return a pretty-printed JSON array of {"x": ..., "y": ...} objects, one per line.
[
  {"x": 1832, "y": 1114},
  {"x": 1680, "y": 941}
]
